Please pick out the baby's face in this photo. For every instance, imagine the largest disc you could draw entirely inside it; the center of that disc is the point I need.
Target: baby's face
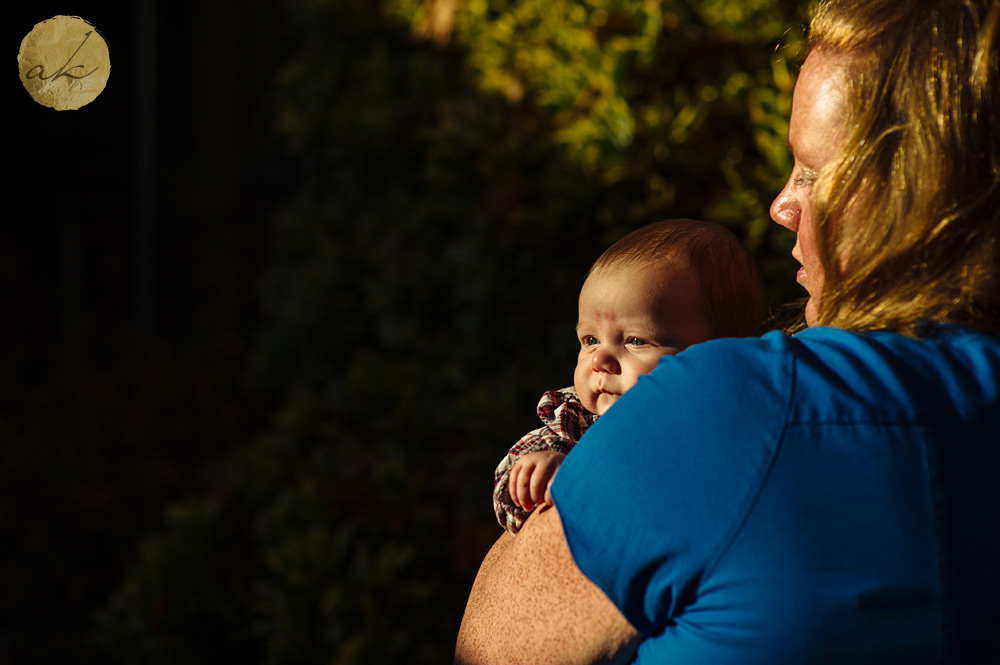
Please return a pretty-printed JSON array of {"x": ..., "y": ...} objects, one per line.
[{"x": 629, "y": 318}]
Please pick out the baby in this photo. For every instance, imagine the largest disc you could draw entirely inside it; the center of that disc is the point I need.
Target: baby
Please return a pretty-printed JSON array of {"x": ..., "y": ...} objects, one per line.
[{"x": 655, "y": 292}]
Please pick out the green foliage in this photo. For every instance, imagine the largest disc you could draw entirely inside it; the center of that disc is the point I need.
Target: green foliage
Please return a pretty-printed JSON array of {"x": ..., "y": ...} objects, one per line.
[{"x": 421, "y": 294}]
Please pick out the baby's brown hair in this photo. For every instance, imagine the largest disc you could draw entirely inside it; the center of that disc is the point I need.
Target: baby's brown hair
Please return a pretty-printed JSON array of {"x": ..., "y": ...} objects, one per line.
[{"x": 726, "y": 273}]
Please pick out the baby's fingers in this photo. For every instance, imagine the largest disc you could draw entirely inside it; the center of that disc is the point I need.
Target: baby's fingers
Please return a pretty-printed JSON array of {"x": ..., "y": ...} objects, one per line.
[
  {"x": 518, "y": 487},
  {"x": 538, "y": 482}
]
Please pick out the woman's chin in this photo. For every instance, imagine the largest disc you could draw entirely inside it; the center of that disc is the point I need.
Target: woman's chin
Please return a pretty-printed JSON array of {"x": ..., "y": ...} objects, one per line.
[{"x": 812, "y": 311}]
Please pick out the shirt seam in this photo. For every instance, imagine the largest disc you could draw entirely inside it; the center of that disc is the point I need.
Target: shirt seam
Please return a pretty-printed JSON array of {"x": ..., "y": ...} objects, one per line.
[
  {"x": 936, "y": 531},
  {"x": 908, "y": 423}
]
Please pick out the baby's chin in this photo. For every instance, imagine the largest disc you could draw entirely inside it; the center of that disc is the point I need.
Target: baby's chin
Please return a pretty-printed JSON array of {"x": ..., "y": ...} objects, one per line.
[{"x": 603, "y": 402}]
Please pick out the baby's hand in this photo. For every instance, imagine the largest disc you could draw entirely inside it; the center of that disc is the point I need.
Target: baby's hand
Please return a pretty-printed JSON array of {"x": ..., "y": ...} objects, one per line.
[{"x": 531, "y": 477}]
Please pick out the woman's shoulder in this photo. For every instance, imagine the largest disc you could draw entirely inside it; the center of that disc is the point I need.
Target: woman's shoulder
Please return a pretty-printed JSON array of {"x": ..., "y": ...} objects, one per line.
[
  {"x": 941, "y": 343},
  {"x": 827, "y": 374},
  {"x": 951, "y": 373}
]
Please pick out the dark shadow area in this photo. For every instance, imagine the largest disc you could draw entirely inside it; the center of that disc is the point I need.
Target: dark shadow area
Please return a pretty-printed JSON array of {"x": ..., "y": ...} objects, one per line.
[
  {"x": 124, "y": 366},
  {"x": 272, "y": 316}
]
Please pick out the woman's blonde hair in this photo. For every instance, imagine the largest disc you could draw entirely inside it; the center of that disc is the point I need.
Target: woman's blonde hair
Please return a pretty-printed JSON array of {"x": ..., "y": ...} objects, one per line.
[{"x": 908, "y": 215}]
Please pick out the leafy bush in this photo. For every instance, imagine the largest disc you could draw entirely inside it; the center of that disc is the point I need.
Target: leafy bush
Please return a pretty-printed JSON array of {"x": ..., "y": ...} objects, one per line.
[{"x": 461, "y": 164}]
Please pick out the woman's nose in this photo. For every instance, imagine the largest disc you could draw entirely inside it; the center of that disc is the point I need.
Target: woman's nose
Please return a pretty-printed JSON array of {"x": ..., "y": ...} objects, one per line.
[
  {"x": 785, "y": 209},
  {"x": 604, "y": 361}
]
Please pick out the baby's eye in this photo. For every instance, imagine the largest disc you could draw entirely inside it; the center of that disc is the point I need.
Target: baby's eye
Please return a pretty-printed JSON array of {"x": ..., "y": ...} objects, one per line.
[
  {"x": 636, "y": 341},
  {"x": 589, "y": 340}
]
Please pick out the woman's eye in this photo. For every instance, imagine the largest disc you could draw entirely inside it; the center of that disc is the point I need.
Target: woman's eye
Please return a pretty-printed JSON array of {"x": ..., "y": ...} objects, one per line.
[{"x": 805, "y": 178}]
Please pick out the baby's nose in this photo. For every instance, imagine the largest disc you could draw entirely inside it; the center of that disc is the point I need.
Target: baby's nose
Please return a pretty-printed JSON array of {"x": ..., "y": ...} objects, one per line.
[{"x": 604, "y": 361}]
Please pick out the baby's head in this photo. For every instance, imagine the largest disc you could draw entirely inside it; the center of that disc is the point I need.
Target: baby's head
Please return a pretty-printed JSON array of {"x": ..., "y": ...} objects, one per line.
[{"x": 655, "y": 292}]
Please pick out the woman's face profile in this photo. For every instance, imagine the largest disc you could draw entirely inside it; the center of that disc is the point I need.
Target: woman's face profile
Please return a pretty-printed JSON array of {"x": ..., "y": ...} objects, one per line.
[{"x": 815, "y": 131}]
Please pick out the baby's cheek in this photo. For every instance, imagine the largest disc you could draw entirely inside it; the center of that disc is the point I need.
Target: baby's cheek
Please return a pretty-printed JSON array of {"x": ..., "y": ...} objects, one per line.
[
  {"x": 589, "y": 400},
  {"x": 628, "y": 382}
]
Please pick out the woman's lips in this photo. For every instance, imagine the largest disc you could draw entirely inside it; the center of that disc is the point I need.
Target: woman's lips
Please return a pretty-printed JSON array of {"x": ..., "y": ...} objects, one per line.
[{"x": 800, "y": 276}]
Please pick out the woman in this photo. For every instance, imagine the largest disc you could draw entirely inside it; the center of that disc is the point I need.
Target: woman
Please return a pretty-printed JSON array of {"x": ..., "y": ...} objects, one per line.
[{"x": 826, "y": 497}]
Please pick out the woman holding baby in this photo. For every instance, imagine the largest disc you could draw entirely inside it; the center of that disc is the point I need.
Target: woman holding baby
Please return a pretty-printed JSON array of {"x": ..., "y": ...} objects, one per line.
[{"x": 828, "y": 496}]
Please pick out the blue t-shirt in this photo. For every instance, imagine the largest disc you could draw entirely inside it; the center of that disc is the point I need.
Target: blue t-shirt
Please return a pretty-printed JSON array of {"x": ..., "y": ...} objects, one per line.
[{"x": 829, "y": 497}]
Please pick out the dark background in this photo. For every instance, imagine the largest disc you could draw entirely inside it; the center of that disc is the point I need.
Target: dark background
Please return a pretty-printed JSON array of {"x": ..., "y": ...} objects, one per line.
[
  {"x": 276, "y": 302},
  {"x": 129, "y": 255}
]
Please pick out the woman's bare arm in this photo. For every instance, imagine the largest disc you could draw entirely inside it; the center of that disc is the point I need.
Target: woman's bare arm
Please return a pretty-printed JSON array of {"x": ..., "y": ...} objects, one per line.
[{"x": 531, "y": 604}]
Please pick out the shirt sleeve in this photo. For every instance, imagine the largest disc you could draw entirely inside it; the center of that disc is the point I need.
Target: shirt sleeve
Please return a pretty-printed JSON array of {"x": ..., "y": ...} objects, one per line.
[
  {"x": 654, "y": 492},
  {"x": 565, "y": 420}
]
